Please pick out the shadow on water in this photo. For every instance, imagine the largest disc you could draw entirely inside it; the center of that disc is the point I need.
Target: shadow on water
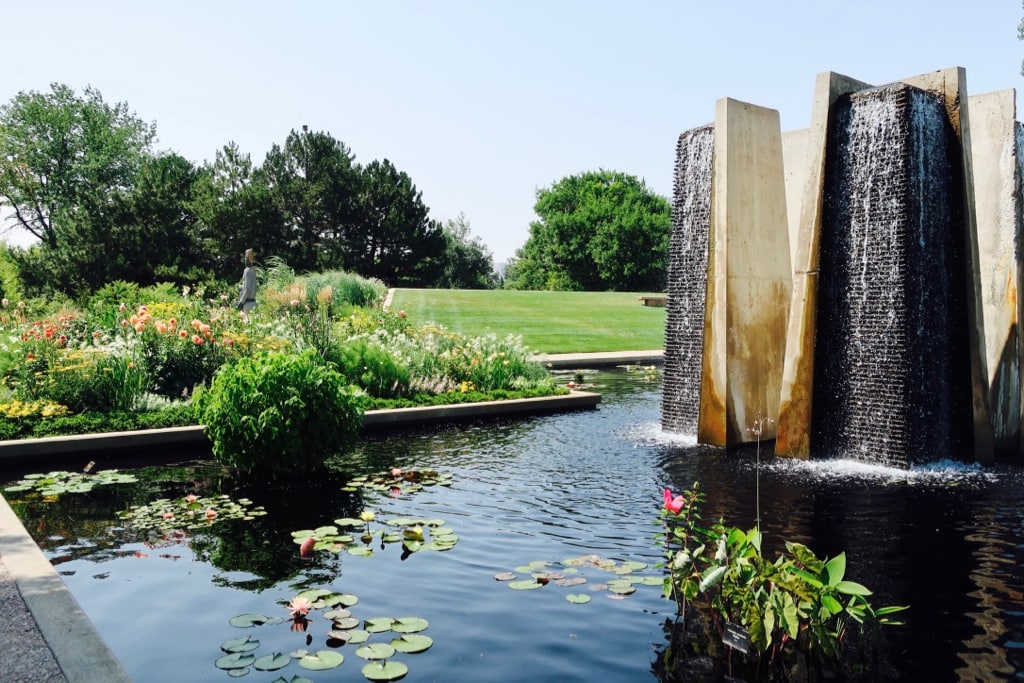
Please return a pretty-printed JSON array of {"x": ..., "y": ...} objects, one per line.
[{"x": 945, "y": 539}]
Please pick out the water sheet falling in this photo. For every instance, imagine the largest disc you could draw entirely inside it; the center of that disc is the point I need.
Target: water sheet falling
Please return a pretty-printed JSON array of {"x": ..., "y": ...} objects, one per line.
[
  {"x": 891, "y": 381},
  {"x": 687, "y": 281}
]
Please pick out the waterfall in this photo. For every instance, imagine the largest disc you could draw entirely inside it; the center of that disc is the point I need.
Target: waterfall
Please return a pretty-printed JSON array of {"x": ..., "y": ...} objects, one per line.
[
  {"x": 892, "y": 378},
  {"x": 687, "y": 281}
]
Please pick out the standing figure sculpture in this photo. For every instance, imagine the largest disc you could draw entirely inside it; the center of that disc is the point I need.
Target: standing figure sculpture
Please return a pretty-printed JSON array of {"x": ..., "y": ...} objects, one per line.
[{"x": 247, "y": 297}]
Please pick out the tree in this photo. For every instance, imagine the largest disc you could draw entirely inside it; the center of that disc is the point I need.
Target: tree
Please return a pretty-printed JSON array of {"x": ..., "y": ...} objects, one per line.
[
  {"x": 315, "y": 183},
  {"x": 599, "y": 230},
  {"x": 238, "y": 211},
  {"x": 397, "y": 242},
  {"x": 63, "y": 156},
  {"x": 468, "y": 263}
]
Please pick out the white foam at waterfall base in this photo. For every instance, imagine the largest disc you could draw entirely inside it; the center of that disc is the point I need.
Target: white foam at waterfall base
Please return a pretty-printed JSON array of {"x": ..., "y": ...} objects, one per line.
[
  {"x": 651, "y": 433},
  {"x": 942, "y": 472}
]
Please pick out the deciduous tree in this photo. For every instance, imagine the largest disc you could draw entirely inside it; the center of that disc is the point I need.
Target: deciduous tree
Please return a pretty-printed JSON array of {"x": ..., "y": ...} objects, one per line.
[{"x": 600, "y": 230}]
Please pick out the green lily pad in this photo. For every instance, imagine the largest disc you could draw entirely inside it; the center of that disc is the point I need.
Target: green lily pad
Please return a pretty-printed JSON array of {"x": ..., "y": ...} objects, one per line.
[
  {"x": 239, "y": 645},
  {"x": 237, "y": 673},
  {"x": 293, "y": 679},
  {"x": 235, "y": 660},
  {"x": 272, "y": 662},
  {"x": 248, "y": 620},
  {"x": 361, "y": 551},
  {"x": 334, "y": 614},
  {"x": 526, "y": 585},
  {"x": 346, "y": 624},
  {"x": 375, "y": 651},
  {"x": 635, "y": 566},
  {"x": 378, "y": 624},
  {"x": 409, "y": 625},
  {"x": 505, "y": 576},
  {"x": 411, "y": 643},
  {"x": 578, "y": 598},
  {"x": 385, "y": 671},
  {"x": 349, "y": 521},
  {"x": 322, "y": 660},
  {"x": 358, "y": 636}
]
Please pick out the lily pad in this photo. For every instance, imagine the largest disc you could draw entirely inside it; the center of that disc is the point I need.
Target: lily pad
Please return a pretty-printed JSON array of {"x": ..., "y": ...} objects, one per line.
[
  {"x": 346, "y": 624},
  {"x": 505, "y": 576},
  {"x": 375, "y": 651},
  {"x": 526, "y": 585},
  {"x": 272, "y": 662},
  {"x": 578, "y": 598},
  {"x": 293, "y": 679},
  {"x": 574, "y": 581},
  {"x": 248, "y": 620},
  {"x": 411, "y": 643},
  {"x": 409, "y": 625},
  {"x": 334, "y": 614},
  {"x": 322, "y": 660},
  {"x": 235, "y": 660},
  {"x": 385, "y": 671},
  {"x": 361, "y": 551},
  {"x": 239, "y": 645},
  {"x": 378, "y": 624}
]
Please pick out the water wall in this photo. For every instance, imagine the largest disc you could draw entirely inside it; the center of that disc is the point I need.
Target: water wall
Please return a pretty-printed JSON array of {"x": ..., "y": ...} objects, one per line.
[
  {"x": 891, "y": 381},
  {"x": 687, "y": 281},
  {"x": 903, "y": 211}
]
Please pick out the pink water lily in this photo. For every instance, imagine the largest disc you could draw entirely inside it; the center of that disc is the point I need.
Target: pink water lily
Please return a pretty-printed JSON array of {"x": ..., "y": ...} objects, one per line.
[
  {"x": 673, "y": 504},
  {"x": 306, "y": 549},
  {"x": 299, "y": 606}
]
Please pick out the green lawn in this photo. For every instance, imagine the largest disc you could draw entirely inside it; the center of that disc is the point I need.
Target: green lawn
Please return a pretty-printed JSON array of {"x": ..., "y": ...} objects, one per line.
[{"x": 549, "y": 322}]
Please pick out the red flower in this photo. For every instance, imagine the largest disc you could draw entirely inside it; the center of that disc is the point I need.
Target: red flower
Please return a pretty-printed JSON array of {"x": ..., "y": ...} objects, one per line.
[{"x": 673, "y": 505}]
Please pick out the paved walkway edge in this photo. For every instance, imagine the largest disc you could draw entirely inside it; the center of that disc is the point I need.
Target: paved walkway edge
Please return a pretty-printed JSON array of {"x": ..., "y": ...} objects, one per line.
[{"x": 78, "y": 649}]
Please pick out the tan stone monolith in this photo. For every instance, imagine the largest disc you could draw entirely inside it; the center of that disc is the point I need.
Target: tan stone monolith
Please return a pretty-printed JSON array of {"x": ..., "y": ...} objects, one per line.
[
  {"x": 749, "y": 281},
  {"x": 997, "y": 200},
  {"x": 793, "y": 435}
]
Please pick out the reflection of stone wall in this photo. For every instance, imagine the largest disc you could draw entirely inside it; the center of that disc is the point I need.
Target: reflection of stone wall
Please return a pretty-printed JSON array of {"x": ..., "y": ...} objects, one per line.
[
  {"x": 687, "y": 281},
  {"x": 891, "y": 380}
]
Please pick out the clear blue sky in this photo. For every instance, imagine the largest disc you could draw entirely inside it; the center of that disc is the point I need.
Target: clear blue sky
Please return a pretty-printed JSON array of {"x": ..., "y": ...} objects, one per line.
[{"x": 483, "y": 102}]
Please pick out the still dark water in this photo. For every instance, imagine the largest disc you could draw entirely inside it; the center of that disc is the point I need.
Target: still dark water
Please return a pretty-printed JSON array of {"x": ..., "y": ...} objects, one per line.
[{"x": 946, "y": 539}]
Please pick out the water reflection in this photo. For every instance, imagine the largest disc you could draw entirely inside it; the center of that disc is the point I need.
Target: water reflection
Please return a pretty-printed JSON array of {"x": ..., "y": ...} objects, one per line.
[{"x": 945, "y": 539}]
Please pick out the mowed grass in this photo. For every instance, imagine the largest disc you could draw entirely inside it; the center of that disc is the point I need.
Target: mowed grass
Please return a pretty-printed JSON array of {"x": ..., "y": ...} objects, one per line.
[{"x": 549, "y": 322}]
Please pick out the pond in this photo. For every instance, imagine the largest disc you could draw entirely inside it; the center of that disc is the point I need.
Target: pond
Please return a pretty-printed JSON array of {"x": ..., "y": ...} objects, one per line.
[{"x": 582, "y": 487}]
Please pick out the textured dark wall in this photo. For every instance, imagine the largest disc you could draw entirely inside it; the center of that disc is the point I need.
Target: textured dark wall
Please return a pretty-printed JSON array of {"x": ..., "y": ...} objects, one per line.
[
  {"x": 892, "y": 380},
  {"x": 687, "y": 281}
]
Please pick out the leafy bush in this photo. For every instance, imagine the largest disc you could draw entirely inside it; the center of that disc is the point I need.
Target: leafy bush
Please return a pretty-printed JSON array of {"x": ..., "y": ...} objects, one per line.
[
  {"x": 796, "y": 605},
  {"x": 279, "y": 412},
  {"x": 370, "y": 365}
]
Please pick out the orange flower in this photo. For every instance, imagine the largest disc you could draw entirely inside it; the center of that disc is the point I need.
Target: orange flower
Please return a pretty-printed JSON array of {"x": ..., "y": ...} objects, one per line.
[
  {"x": 140, "y": 326},
  {"x": 160, "y": 326},
  {"x": 183, "y": 334},
  {"x": 196, "y": 339},
  {"x": 173, "y": 322}
]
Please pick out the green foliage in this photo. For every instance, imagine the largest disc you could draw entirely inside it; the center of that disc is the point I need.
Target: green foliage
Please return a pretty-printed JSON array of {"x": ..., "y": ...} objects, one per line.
[
  {"x": 368, "y": 364},
  {"x": 94, "y": 380},
  {"x": 11, "y": 285},
  {"x": 597, "y": 231},
  {"x": 468, "y": 263},
  {"x": 279, "y": 412},
  {"x": 797, "y": 603}
]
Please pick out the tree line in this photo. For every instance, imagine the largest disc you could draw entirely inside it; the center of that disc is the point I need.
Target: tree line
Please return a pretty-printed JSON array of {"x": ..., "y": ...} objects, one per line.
[{"x": 83, "y": 177}]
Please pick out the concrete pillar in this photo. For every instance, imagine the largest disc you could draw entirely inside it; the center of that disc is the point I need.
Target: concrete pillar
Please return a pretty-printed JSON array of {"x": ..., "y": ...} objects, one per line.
[
  {"x": 793, "y": 436},
  {"x": 749, "y": 276},
  {"x": 997, "y": 181}
]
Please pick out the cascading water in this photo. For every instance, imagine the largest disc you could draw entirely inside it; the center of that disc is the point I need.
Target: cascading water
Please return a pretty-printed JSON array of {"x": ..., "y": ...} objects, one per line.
[
  {"x": 891, "y": 352},
  {"x": 687, "y": 281}
]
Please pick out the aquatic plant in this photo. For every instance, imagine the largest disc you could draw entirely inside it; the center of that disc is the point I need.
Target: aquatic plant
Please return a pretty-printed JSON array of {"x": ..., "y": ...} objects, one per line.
[
  {"x": 342, "y": 628},
  {"x": 796, "y": 604}
]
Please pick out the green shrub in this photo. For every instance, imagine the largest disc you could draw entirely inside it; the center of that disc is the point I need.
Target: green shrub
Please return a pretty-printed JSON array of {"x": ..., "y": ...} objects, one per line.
[
  {"x": 94, "y": 380},
  {"x": 373, "y": 367},
  {"x": 278, "y": 412}
]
